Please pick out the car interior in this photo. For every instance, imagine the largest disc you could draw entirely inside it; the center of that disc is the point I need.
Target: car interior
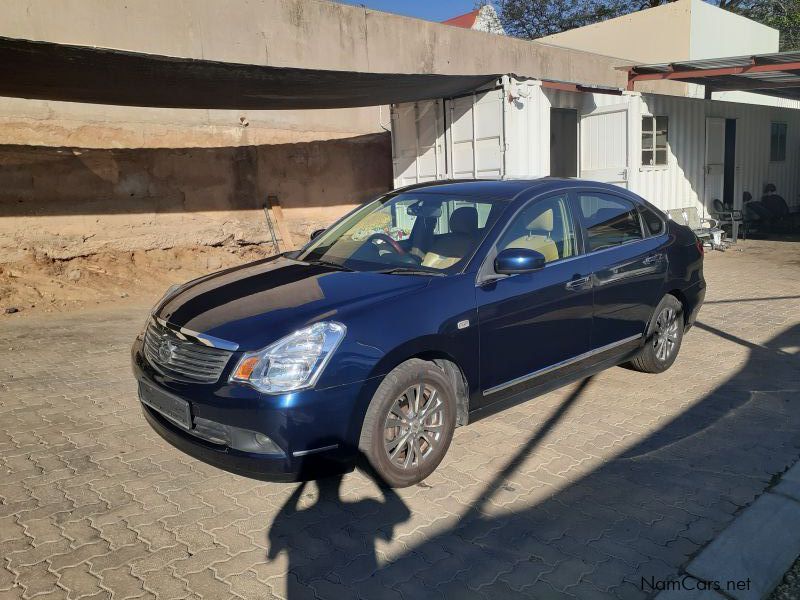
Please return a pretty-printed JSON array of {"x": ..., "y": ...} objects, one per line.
[
  {"x": 447, "y": 249},
  {"x": 609, "y": 221},
  {"x": 545, "y": 227},
  {"x": 438, "y": 233},
  {"x": 433, "y": 233}
]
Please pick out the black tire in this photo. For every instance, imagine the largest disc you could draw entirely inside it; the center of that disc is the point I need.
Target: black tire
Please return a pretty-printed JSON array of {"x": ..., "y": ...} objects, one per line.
[
  {"x": 437, "y": 419},
  {"x": 658, "y": 354}
]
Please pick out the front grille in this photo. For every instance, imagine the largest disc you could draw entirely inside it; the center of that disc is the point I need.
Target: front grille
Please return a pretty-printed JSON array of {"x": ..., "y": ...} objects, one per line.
[{"x": 182, "y": 359}]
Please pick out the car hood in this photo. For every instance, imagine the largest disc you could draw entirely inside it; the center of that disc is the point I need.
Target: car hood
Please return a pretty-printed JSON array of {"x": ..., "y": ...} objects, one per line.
[{"x": 255, "y": 304}]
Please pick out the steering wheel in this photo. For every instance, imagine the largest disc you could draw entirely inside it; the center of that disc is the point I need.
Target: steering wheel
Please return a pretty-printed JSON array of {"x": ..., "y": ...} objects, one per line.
[{"x": 382, "y": 237}]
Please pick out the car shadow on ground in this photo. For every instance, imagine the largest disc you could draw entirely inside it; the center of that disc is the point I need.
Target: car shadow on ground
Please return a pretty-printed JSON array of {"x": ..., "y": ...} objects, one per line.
[{"x": 618, "y": 532}]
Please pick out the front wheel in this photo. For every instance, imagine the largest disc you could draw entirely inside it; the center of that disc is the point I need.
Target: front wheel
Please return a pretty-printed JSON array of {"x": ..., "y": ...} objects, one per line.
[
  {"x": 409, "y": 423},
  {"x": 664, "y": 337}
]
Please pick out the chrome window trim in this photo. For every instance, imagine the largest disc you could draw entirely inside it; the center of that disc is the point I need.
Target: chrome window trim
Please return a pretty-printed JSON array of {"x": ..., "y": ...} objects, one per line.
[{"x": 559, "y": 365}]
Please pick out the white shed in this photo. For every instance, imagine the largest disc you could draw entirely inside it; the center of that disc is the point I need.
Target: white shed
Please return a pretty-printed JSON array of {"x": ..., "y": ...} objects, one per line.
[{"x": 674, "y": 151}]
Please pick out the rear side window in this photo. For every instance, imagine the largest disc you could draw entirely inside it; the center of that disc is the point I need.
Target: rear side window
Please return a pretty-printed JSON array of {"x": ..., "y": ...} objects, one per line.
[
  {"x": 609, "y": 220},
  {"x": 653, "y": 224}
]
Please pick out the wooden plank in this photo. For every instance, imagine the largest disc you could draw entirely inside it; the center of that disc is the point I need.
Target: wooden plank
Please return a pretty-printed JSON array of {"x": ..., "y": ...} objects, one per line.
[{"x": 277, "y": 213}]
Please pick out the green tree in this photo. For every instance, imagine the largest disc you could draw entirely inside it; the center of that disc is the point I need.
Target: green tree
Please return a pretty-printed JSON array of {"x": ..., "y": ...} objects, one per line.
[{"x": 783, "y": 15}]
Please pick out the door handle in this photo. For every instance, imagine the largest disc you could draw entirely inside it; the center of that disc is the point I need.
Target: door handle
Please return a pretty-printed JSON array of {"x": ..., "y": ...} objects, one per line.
[
  {"x": 579, "y": 283},
  {"x": 652, "y": 259}
]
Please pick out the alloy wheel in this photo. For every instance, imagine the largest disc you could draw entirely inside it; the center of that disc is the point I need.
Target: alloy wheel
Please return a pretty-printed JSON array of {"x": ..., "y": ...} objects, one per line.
[
  {"x": 413, "y": 428},
  {"x": 665, "y": 337}
]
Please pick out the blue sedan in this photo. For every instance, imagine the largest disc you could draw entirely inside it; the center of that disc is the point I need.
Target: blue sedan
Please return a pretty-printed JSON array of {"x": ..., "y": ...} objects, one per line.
[{"x": 419, "y": 312}]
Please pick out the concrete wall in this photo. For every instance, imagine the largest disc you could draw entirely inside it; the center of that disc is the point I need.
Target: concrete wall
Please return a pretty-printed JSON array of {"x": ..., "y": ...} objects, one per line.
[
  {"x": 659, "y": 34},
  {"x": 314, "y": 34},
  {"x": 682, "y": 30},
  {"x": 716, "y": 33},
  {"x": 60, "y": 124},
  {"x": 67, "y": 202}
]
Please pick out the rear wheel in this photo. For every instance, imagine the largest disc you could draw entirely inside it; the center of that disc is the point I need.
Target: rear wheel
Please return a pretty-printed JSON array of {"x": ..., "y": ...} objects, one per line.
[
  {"x": 664, "y": 337},
  {"x": 409, "y": 423}
]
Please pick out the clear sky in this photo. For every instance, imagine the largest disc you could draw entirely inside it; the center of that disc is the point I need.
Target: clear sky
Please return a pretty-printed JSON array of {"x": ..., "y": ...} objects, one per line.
[{"x": 432, "y": 10}]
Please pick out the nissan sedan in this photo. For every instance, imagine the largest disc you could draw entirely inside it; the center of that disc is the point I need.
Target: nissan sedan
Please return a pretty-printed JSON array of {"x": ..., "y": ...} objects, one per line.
[{"x": 418, "y": 312}]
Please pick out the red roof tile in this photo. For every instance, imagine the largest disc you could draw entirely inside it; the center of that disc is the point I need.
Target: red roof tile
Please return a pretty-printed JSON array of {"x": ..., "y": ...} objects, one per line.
[{"x": 466, "y": 21}]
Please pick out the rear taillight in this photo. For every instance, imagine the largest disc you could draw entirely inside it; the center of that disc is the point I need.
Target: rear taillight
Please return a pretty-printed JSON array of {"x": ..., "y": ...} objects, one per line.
[{"x": 700, "y": 248}]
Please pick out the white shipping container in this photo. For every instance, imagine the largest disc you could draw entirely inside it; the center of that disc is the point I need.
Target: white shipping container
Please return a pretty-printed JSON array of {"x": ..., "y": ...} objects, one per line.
[{"x": 505, "y": 131}]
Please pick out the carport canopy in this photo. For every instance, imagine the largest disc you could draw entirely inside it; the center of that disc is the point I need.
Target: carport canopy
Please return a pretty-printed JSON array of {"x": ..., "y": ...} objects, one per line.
[
  {"x": 48, "y": 71},
  {"x": 775, "y": 74}
]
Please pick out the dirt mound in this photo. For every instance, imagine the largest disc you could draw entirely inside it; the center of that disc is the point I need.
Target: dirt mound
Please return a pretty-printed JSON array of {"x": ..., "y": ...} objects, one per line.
[{"x": 39, "y": 283}]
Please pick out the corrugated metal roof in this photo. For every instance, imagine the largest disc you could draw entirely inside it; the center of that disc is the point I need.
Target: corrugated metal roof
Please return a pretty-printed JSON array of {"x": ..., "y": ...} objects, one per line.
[{"x": 775, "y": 74}]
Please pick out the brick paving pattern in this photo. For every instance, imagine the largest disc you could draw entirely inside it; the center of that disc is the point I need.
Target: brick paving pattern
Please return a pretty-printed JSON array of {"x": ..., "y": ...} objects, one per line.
[{"x": 580, "y": 493}]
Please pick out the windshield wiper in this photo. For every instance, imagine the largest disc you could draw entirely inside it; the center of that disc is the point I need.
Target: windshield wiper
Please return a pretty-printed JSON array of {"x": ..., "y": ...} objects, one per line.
[
  {"x": 328, "y": 263},
  {"x": 410, "y": 271}
]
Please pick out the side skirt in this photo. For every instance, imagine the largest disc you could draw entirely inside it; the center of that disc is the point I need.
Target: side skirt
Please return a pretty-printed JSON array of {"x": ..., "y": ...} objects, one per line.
[{"x": 552, "y": 381}]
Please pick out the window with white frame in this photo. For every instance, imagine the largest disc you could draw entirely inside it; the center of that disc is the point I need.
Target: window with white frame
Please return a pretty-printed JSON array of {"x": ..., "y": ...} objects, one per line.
[
  {"x": 777, "y": 142},
  {"x": 654, "y": 141}
]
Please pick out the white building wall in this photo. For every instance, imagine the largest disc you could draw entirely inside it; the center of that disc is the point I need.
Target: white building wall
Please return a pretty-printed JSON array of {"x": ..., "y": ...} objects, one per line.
[
  {"x": 714, "y": 32},
  {"x": 525, "y": 145},
  {"x": 682, "y": 182},
  {"x": 659, "y": 34}
]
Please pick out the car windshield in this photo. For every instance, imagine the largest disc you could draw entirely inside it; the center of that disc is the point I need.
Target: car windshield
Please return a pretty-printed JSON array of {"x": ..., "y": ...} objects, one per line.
[{"x": 412, "y": 232}]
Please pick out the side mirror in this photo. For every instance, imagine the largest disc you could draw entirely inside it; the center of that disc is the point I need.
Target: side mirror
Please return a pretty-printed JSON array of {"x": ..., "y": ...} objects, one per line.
[
  {"x": 316, "y": 233},
  {"x": 518, "y": 260}
]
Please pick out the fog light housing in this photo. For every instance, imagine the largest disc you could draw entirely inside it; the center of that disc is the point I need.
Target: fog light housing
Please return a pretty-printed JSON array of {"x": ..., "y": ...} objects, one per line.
[
  {"x": 269, "y": 447},
  {"x": 234, "y": 437}
]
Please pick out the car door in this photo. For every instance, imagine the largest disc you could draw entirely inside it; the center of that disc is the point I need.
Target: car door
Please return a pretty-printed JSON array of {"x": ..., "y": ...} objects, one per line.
[
  {"x": 628, "y": 267},
  {"x": 530, "y": 323}
]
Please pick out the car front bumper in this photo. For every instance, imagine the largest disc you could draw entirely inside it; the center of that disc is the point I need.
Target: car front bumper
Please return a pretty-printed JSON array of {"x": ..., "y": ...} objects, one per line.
[{"x": 316, "y": 432}]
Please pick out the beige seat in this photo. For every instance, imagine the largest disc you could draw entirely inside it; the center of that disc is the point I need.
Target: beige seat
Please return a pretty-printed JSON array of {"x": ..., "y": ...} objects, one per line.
[
  {"x": 539, "y": 237},
  {"x": 451, "y": 247}
]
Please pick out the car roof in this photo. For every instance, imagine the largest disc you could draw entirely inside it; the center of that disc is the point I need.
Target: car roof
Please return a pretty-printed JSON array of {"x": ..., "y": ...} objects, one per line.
[{"x": 501, "y": 188}]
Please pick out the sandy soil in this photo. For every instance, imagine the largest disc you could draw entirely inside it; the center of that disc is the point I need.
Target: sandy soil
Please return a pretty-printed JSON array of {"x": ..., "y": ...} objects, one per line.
[{"x": 40, "y": 284}]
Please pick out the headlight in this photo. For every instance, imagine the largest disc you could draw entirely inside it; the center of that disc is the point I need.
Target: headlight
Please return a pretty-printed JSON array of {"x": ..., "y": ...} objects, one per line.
[{"x": 293, "y": 362}]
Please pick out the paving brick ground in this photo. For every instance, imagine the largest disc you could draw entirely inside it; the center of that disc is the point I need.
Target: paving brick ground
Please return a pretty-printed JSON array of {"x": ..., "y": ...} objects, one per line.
[
  {"x": 580, "y": 493},
  {"x": 789, "y": 588}
]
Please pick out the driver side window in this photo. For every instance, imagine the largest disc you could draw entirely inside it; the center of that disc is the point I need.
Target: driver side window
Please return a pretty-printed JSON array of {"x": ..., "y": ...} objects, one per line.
[{"x": 545, "y": 226}]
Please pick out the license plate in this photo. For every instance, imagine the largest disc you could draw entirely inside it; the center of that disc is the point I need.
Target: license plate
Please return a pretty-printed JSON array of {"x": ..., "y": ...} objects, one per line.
[{"x": 173, "y": 408}]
